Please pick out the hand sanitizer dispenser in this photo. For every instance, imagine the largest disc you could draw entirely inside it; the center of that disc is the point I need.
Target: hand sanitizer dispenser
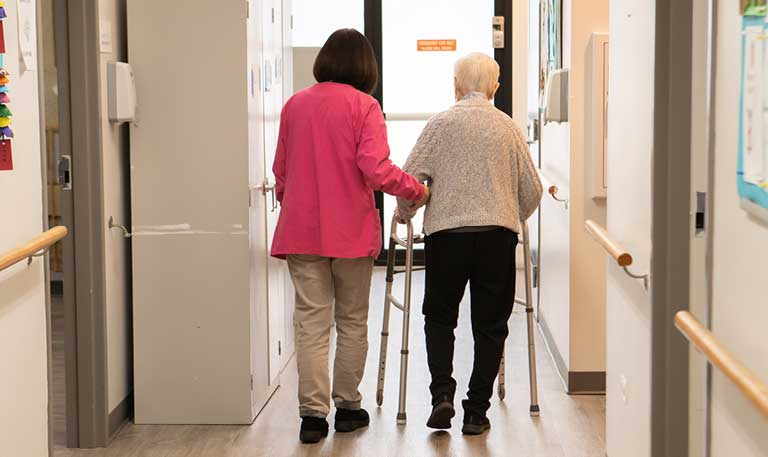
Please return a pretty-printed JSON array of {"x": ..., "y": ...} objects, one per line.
[
  {"x": 556, "y": 97},
  {"x": 121, "y": 92}
]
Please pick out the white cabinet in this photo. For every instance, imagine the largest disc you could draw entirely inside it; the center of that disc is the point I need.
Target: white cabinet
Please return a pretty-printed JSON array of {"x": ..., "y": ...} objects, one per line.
[
  {"x": 597, "y": 115},
  {"x": 208, "y": 308}
]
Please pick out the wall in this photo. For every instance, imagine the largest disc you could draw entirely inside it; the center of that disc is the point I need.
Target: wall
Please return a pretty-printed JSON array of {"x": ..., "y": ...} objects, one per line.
[
  {"x": 573, "y": 270},
  {"x": 117, "y": 204},
  {"x": 630, "y": 127},
  {"x": 555, "y": 281},
  {"x": 23, "y": 350},
  {"x": 587, "y": 268},
  {"x": 740, "y": 244}
]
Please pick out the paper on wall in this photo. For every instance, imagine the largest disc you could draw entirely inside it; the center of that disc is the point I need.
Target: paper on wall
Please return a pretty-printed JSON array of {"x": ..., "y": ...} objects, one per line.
[
  {"x": 27, "y": 33},
  {"x": 754, "y": 123}
]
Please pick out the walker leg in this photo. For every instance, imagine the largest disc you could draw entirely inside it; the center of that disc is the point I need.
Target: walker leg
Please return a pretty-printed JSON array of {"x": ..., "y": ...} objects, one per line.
[
  {"x": 385, "y": 325},
  {"x": 534, "y": 410},
  {"x": 502, "y": 376},
  {"x": 401, "y": 415}
]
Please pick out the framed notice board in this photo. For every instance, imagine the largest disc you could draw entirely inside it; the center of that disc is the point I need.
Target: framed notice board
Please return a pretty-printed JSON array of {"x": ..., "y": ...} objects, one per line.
[{"x": 752, "y": 169}]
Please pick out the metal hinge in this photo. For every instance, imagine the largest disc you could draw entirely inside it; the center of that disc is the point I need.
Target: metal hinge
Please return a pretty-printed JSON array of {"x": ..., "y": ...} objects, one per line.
[
  {"x": 251, "y": 382},
  {"x": 279, "y": 348},
  {"x": 291, "y": 21},
  {"x": 247, "y": 9},
  {"x": 273, "y": 15}
]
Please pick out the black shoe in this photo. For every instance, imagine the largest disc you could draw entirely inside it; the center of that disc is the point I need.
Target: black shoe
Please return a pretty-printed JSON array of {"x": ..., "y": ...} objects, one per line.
[
  {"x": 475, "y": 424},
  {"x": 442, "y": 413},
  {"x": 349, "y": 420},
  {"x": 313, "y": 429}
]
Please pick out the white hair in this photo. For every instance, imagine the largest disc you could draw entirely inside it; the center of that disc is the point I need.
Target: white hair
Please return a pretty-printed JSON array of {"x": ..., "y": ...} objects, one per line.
[{"x": 476, "y": 72}]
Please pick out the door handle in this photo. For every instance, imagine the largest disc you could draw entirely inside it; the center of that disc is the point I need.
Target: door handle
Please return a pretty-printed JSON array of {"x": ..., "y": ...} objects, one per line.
[{"x": 268, "y": 187}]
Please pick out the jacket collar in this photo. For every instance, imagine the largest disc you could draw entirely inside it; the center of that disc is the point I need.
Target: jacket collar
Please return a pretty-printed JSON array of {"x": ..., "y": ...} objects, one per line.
[{"x": 474, "y": 99}]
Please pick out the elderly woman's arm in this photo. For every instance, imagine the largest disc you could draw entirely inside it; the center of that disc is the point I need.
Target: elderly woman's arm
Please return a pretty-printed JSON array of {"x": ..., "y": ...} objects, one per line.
[
  {"x": 419, "y": 165},
  {"x": 529, "y": 188}
]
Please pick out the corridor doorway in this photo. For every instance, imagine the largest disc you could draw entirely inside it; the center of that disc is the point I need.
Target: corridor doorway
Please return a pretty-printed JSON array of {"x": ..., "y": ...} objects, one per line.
[{"x": 67, "y": 32}]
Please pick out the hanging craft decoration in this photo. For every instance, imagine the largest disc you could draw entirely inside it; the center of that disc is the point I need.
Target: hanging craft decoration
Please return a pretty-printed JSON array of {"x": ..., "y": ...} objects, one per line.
[{"x": 6, "y": 133}]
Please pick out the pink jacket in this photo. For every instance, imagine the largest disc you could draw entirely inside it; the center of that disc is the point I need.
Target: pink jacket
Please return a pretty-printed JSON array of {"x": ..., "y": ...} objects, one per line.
[{"x": 332, "y": 153}]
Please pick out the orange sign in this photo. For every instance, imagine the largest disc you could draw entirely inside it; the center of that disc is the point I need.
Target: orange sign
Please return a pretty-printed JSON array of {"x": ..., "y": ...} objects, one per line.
[{"x": 436, "y": 45}]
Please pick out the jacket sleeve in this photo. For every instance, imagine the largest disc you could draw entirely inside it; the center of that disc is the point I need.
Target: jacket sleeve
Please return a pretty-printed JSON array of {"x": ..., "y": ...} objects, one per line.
[
  {"x": 419, "y": 164},
  {"x": 278, "y": 168},
  {"x": 374, "y": 163},
  {"x": 529, "y": 188}
]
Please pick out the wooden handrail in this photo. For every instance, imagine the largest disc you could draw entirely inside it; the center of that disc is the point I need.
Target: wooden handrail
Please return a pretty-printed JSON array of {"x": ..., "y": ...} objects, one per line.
[
  {"x": 622, "y": 257},
  {"x": 32, "y": 247},
  {"x": 746, "y": 381}
]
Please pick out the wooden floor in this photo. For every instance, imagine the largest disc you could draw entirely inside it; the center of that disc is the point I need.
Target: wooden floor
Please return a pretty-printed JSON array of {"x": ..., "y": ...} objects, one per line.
[{"x": 569, "y": 426}]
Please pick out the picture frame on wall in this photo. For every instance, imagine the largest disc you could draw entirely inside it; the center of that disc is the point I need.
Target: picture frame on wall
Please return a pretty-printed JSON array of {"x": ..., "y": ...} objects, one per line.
[{"x": 551, "y": 24}]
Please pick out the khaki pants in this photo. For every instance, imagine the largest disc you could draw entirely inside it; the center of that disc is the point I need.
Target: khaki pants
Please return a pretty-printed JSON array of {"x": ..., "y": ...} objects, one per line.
[{"x": 328, "y": 289}]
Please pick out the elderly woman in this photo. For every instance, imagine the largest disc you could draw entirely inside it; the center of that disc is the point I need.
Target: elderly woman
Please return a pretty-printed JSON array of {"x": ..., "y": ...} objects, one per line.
[{"x": 483, "y": 184}]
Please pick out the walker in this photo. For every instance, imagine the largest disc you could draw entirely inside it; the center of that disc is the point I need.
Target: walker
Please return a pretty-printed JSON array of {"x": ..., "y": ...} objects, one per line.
[{"x": 405, "y": 307}]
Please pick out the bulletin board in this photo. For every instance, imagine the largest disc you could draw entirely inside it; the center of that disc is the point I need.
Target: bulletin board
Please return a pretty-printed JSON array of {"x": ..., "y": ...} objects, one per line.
[
  {"x": 551, "y": 25},
  {"x": 752, "y": 169}
]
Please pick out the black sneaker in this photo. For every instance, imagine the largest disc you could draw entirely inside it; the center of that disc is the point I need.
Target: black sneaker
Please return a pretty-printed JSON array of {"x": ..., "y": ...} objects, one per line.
[
  {"x": 475, "y": 424},
  {"x": 313, "y": 429},
  {"x": 442, "y": 413},
  {"x": 349, "y": 420}
]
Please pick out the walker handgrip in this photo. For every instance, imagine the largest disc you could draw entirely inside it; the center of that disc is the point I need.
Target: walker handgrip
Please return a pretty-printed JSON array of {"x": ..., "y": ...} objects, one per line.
[{"x": 395, "y": 236}]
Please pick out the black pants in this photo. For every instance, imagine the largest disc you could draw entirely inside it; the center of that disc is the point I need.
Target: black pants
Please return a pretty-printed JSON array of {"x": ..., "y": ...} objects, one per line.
[{"x": 487, "y": 261}]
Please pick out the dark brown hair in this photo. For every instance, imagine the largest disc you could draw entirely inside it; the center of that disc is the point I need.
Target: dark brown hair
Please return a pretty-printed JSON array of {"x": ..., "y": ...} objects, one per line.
[{"x": 347, "y": 58}]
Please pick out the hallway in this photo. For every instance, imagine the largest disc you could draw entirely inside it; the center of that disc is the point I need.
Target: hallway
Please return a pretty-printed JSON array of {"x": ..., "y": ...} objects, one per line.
[{"x": 569, "y": 426}]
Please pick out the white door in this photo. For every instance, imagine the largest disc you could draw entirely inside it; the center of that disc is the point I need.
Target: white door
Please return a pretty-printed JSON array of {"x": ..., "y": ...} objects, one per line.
[
  {"x": 262, "y": 385},
  {"x": 192, "y": 246},
  {"x": 287, "y": 80},
  {"x": 273, "y": 103}
]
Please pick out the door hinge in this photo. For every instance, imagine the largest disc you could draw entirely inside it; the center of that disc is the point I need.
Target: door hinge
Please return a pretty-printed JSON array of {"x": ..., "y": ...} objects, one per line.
[
  {"x": 251, "y": 382},
  {"x": 273, "y": 15},
  {"x": 279, "y": 348},
  {"x": 247, "y": 9}
]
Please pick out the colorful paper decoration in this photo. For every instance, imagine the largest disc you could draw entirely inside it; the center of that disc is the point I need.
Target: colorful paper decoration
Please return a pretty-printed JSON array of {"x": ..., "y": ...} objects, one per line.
[
  {"x": 6, "y": 155},
  {"x": 6, "y": 133}
]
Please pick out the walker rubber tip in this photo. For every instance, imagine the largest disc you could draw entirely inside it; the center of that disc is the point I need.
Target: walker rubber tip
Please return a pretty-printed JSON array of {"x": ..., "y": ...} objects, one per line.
[
  {"x": 380, "y": 397},
  {"x": 535, "y": 412},
  {"x": 401, "y": 419}
]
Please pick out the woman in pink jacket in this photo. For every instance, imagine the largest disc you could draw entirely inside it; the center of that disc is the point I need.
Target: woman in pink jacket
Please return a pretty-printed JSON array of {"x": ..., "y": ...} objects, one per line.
[{"x": 332, "y": 154}]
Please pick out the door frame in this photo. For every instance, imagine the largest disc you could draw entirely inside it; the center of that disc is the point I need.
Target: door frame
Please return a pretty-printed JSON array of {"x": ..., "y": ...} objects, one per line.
[
  {"x": 374, "y": 31},
  {"x": 76, "y": 28},
  {"x": 670, "y": 233}
]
